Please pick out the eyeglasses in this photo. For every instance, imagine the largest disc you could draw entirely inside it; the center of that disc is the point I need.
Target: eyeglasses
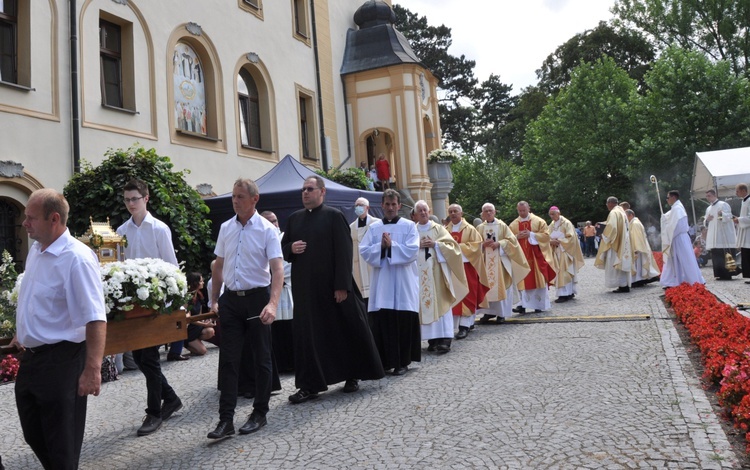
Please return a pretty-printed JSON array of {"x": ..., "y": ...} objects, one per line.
[
  {"x": 308, "y": 189},
  {"x": 128, "y": 200}
]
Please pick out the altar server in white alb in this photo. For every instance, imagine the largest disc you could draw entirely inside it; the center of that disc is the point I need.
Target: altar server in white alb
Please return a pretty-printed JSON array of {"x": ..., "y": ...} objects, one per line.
[
  {"x": 391, "y": 247},
  {"x": 645, "y": 269},
  {"x": 566, "y": 255},
  {"x": 360, "y": 269},
  {"x": 721, "y": 238},
  {"x": 505, "y": 264},
  {"x": 743, "y": 230},
  {"x": 680, "y": 264},
  {"x": 442, "y": 280}
]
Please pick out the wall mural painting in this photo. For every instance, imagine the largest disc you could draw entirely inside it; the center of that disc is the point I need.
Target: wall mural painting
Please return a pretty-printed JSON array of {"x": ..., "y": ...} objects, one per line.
[{"x": 189, "y": 90}]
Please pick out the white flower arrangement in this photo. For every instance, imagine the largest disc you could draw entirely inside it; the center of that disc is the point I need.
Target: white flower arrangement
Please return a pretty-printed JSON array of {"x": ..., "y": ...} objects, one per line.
[
  {"x": 146, "y": 282},
  {"x": 441, "y": 155}
]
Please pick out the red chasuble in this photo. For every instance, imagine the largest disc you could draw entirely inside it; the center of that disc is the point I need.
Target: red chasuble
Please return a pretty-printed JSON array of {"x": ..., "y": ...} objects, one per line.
[
  {"x": 536, "y": 260},
  {"x": 477, "y": 291}
]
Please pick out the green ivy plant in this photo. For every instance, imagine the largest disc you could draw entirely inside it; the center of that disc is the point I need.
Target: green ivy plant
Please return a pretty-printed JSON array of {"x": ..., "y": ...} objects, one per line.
[
  {"x": 351, "y": 177},
  {"x": 97, "y": 192}
]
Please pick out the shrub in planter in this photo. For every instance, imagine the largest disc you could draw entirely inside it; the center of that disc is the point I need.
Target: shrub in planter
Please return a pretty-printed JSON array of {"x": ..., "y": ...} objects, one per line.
[{"x": 97, "y": 192}]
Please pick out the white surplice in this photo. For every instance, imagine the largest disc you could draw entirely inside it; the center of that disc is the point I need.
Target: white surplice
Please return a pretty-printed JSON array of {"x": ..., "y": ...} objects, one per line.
[{"x": 395, "y": 280}]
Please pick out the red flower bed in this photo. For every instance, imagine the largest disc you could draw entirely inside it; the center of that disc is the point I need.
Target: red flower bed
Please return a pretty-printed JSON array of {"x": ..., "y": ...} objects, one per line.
[
  {"x": 8, "y": 369},
  {"x": 659, "y": 257},
  {"x": 723, "y": 336}
]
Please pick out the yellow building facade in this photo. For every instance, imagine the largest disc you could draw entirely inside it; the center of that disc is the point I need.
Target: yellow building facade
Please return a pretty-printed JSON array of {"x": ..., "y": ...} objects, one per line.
[{"x": 225, "y": 88}]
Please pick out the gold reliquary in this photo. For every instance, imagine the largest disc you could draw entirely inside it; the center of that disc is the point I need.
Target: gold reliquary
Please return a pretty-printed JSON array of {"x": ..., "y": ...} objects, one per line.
[{"x": 106, "y": 243}]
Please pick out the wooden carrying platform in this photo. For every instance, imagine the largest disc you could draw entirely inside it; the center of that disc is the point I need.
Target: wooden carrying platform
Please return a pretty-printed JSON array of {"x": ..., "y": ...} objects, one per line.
[{"x": 139, "y": 333}]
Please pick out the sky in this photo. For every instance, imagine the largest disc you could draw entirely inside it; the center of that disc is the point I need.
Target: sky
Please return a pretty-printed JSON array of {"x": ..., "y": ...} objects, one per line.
[{"x": 510, "y": 38}]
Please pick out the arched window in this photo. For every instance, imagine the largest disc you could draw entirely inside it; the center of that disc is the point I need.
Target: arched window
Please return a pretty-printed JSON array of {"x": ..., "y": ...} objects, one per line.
[
  {"x": 249, "y": 105},
  {"x": 10, "y": 227},
  {"x": 189, "y": 90}
]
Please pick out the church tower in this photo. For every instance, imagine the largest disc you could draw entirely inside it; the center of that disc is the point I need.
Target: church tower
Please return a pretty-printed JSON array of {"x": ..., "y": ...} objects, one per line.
[{"x": 392, "y": 101}]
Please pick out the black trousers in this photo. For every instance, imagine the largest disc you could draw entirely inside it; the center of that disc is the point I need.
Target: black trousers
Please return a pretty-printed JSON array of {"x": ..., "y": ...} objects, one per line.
[
  {"x": 745, "y": 252},
  {"x": 157, "y": 387},
  {"x": 718, "y": 260},
  {"x": 590, "y": 246},
  {"x": 53, "y": 416},
  {"x": 237, "y": 327}
]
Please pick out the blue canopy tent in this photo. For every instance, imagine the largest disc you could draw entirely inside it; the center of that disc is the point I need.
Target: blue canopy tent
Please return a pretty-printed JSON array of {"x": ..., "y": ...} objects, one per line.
[{"x": 280, "y": 193}]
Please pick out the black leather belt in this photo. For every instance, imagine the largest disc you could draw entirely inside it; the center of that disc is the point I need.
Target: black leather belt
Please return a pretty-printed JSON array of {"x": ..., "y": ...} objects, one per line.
[
  {"x": 43, "y": 348},
  {"x": 245, "y": 293}
]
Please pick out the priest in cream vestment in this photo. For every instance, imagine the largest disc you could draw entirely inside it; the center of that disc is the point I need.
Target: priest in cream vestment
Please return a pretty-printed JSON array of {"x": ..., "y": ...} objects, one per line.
[
  {"x": 566, "y": 255},
  {"x": 504, "y": 263},
  {"x": 360, "y": 268},
  {"x": 531, "y": 232},
  {"x": 645, "y": 269},
  {"x": 615, "y": 255},
  {"x": 464, "y": 313},
  {"x": 442, "y": 281}
]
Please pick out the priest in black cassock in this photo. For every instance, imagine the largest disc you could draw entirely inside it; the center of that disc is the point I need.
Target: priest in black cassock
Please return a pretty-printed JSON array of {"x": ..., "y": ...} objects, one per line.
[{"x": 332, "y": 338}]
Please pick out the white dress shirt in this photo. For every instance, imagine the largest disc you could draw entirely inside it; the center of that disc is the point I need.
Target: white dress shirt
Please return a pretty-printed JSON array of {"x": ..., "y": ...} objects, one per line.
[
  {"x": 152, "y": 239},
  {"x": 246, "y": 250},
  {"x": 60, "y": 293}
]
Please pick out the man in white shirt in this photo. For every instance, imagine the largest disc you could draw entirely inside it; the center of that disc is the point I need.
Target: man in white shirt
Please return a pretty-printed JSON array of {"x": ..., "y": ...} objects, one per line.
[
  {"x": 248, "y": 263},
  {"x": 149, "y": 237},
  {"x": 61, "y": 326},
  {"x": 721, "y": 238}
]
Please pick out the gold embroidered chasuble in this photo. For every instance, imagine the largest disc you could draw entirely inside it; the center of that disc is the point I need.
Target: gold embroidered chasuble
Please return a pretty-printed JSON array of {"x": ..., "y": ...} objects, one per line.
[
  {"x": 539, "y": 228},
  {"x": 567, "y": 257},
  {"x": 441, "y": 285},
  {"x": 471, "y": 249},
  {"x": 616, "y": 240},
  {"x": 640, "y": 246},
  {"x": 502, "y": 271}
]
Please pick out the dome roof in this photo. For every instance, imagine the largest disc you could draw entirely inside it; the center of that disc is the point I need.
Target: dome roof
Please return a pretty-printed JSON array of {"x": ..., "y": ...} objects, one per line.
[{"x": 373, "y": 13}]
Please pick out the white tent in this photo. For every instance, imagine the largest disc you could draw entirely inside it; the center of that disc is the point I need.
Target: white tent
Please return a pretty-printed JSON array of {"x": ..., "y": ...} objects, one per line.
[{"x": 721, "y": 170}]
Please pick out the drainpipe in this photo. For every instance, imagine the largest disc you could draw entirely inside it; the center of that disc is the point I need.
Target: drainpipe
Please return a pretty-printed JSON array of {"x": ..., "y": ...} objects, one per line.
[
  {"x": 348, "y": 130},
  {"x": 323, "y": 150},
  {"x": 74, "y": 111}
]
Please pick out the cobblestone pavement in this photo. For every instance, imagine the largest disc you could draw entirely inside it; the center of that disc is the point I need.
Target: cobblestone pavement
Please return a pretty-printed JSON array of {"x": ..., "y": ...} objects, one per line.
[{"x": 612, "y": 392}]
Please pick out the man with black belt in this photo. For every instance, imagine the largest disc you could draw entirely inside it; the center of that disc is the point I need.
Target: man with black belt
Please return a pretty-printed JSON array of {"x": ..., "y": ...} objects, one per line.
[
  {"x": 248, "y": 261},
  {"x": 62, "y": 326}
]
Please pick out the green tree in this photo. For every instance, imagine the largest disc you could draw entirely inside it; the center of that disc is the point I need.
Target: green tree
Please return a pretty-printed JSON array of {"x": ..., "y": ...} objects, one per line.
[
  {"x": 479, "y": 179},
  {"x": 495, "y": 106},
  {"x": 628, "y": 48},
  {"x": 96, "y": 192},
  {"x": 529, "y": 105},
  {"x": 575, "y": 152},
  {"x": 718, "y": 28},
  {"x": 692, "y": 105}
]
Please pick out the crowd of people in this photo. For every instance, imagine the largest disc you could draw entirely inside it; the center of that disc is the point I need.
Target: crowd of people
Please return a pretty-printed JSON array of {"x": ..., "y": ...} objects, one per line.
[{"x": 362, "y": 296}]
